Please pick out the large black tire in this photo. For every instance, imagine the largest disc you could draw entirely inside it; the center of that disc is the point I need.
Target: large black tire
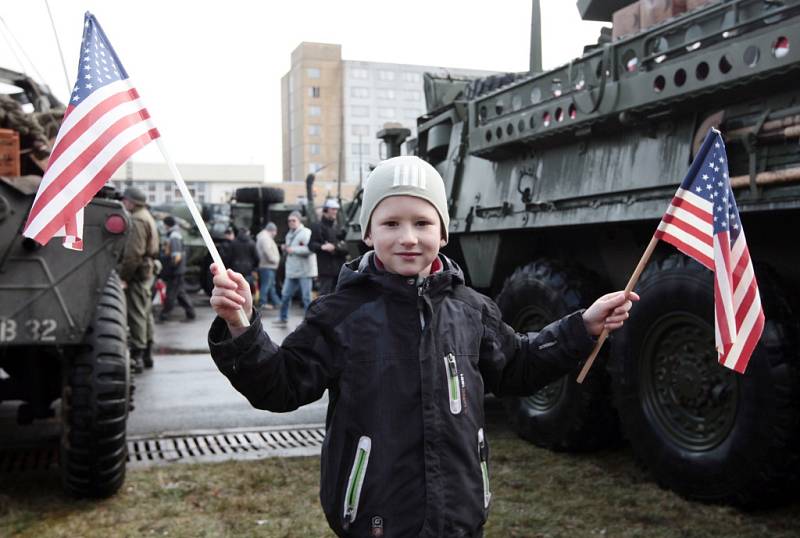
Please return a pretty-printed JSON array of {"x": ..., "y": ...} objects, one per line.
[
  {"x": 95, "y": 402},
  {"x": 564, "y": 415},
  {"x": 702, "y": 430},
  {"x": 265, "y": 195}
]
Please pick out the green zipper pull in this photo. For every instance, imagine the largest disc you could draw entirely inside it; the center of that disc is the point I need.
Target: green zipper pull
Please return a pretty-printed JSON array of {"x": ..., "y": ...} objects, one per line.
[
  {"x": 484, "y": 456},
  {"x": 453, "y": 388},
  {"x": 357, "y": 474}
]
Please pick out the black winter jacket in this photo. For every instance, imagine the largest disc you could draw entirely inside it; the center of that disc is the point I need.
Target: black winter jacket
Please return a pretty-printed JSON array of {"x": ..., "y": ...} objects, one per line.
[
  {"x": 242, "y": 255},
  {"x": 406, "y": 364},
  {"x": 328, "y": 263}
]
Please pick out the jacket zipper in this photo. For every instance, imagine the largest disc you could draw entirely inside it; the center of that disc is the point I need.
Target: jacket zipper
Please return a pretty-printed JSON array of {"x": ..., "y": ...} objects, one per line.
[
  {"x": 483, "y": 456},
  {"x": 453, "y": 385},
  {"x": 356, "y": 480}
]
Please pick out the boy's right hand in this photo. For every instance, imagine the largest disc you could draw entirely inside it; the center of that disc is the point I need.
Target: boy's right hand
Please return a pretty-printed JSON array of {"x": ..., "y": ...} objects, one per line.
[{"x": 231, "y": 293}]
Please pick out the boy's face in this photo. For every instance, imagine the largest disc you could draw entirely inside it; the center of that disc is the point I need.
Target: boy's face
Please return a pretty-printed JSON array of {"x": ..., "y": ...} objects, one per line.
[{"x": 406, "y": 233}]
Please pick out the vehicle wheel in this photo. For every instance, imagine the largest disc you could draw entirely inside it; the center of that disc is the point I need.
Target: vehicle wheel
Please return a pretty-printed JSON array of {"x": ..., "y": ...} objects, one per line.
[
  {"x": 265, "y": 195},
  {"x": 564, "y": 415},
  {"x": 95, "y": 402},
  {"x": 702, "y": 430}
]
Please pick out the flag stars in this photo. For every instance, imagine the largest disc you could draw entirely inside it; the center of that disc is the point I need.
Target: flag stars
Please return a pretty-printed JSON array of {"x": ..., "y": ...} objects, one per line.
[
  {"x": 699, "y": 189},
  {"x": 721, "y": 160},
  {"x": 89, "y": 86},
  {"x": 705, "y": 177},
  {"x": 708, "y": 186},
  {"x": 716, "y": 168},
  {"x": 88, "y": 76}
]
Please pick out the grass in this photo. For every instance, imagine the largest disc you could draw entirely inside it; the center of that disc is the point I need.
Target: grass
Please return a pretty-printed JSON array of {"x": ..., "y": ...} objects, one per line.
[{"x": 536, "y": 494}]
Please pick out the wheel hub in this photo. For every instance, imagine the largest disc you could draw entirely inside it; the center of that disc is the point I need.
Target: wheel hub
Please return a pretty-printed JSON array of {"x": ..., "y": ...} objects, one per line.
[{"x": 687, "y": 393}]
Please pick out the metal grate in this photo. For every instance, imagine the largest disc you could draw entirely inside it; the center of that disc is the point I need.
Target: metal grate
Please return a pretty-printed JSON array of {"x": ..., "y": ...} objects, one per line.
[
  {"x": 186, "y": 447},
  {"x": 238, "y": 444}
]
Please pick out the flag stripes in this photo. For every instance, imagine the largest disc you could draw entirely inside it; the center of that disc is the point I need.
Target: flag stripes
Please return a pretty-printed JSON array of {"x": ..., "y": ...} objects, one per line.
[
  {"x": 104, "y": 125},
  {"x": 703, "y": 222}
]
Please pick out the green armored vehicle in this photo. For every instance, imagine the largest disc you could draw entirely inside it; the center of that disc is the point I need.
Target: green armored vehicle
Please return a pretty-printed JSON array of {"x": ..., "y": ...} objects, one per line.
[
  {"x": 556, "y": 183},
  {"x": 63, "y": 329}
]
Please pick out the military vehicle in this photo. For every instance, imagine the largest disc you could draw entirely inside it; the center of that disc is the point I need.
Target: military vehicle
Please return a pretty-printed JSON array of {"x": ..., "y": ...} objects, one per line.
[
  {"x": 250, "y": 208},
  {"x": 556, "y": 182},
  {"x": 63, "y": 327}
]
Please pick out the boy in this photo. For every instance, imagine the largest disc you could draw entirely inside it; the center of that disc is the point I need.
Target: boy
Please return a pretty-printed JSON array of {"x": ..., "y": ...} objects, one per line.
[{"x": 405, "y": 350}]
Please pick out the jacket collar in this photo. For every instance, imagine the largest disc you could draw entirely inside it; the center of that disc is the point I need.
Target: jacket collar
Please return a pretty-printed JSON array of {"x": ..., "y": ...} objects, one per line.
[{"x": 367, "y": 270}]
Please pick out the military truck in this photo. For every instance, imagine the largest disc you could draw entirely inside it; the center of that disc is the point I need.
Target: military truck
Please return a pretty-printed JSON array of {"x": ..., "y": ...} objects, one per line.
[
  {"x": 556, "y": 181},
  {"x": 63, "y": 326}
]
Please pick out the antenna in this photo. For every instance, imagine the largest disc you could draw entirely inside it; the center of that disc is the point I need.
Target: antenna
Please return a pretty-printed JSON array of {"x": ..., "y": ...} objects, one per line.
[{"x": 60, "y": 52}]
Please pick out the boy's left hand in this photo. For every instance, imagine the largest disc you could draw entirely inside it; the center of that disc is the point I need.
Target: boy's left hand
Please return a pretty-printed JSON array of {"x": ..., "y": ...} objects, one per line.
[{"x": 608, "y": 312}]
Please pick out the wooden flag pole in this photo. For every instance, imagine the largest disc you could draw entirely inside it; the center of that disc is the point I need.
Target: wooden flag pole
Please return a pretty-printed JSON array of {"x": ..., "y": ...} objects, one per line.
[
  {"x": 198, "y": 220},
  {"x": 629, "y": 288}
]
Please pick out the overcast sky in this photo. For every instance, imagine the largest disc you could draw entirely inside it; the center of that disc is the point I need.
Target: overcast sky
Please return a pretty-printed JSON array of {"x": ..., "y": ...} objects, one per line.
[{"x": 210, "y": 72}]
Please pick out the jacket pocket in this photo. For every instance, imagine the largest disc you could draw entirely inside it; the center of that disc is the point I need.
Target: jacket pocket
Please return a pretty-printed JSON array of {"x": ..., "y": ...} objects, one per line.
[
  {"x": 356, "y": 480},
  {"x": 483, "y": 456},
  {"x": 453, "y": 383}
]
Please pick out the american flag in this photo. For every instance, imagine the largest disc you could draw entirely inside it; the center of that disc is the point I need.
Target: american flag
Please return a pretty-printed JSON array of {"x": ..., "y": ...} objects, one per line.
[
  {"x": 703, "y": 222},
  {"x": 104, "y": 124}
]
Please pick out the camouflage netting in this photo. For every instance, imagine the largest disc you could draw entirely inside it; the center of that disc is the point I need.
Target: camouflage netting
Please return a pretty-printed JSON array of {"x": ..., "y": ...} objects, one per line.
[{"x": 32, "y": 136}]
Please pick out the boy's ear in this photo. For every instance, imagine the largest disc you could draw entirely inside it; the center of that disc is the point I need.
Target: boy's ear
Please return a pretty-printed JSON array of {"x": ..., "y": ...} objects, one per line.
[
  {"x": 368, "y": 240},
  {"x": 442, "y": 242}
]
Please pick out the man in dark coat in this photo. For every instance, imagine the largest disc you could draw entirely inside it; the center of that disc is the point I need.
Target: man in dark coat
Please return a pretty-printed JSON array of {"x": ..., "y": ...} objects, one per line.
[
  {"x": 242, "y": 255},
  {"x": 326, "y": 242},
  {"x": 174, "y": 272}
]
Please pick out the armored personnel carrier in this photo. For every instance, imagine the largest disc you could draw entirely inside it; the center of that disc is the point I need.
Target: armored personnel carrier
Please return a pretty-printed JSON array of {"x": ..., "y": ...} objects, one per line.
[
  {"x": 556, "y": 182},
  {"x": 63, "y": 329}
]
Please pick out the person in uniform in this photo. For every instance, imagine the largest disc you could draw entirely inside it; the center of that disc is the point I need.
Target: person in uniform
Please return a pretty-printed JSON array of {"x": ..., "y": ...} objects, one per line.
[
  {"x": 326, "y": 242},
  {"x": 174, "y": 271},
  {"x": 137, "y": 270}
]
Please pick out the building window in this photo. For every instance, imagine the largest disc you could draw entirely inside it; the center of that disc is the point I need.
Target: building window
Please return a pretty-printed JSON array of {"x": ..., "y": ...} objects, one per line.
[
  {"x": 385, "y": 93},
  {"x": 314, "y": 111},
  {"x": 313, "y": 168},
  {"x": 313, "y": 149},
  {"x": 383, "y": 74},
  {"x": 312, "y": 72},
  {"x": 359, "y": 73},
  {"x": 314, "y": 130},
  {"x": 359, "y": 130},
  {"x": 411, "y": 96},
  {"x": 384, "y": 112},
  {"x": 313, "y": 91},
  {"x": 359, "y": 92},
  {"x": 359, "y": 111},
  {"x": 410, "y": 76},
  {"x": 360, "y": 149},
  {"x": 151, "y": 197}
]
